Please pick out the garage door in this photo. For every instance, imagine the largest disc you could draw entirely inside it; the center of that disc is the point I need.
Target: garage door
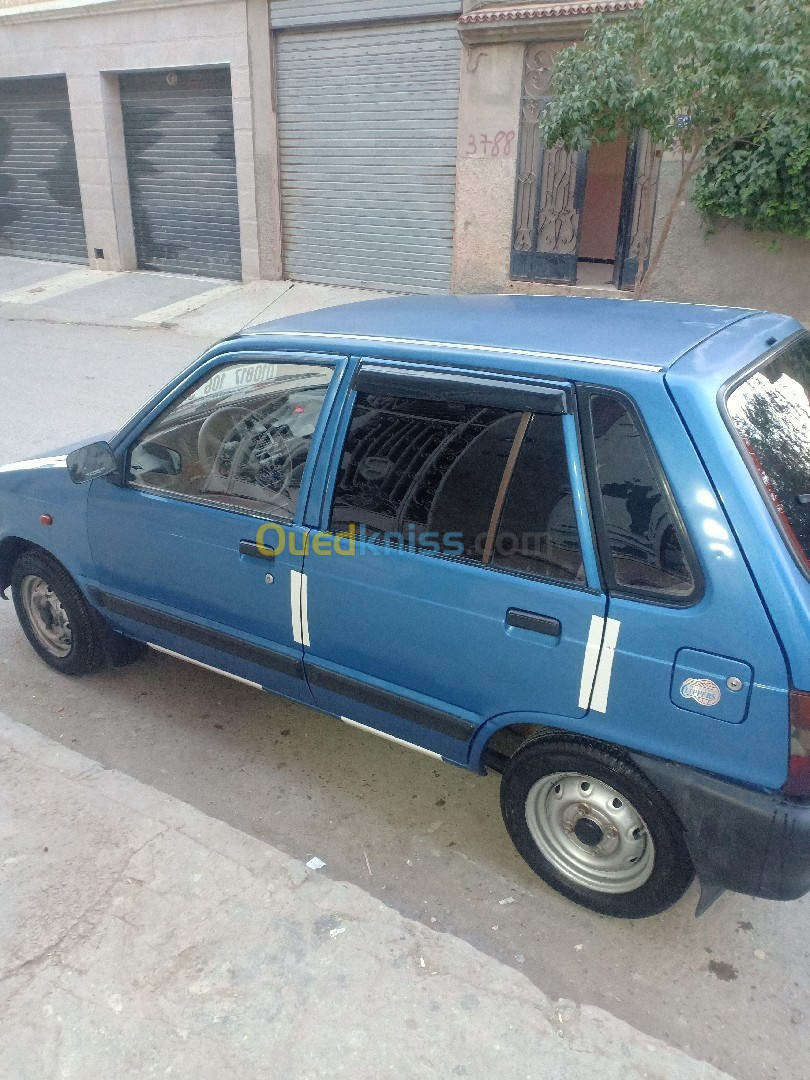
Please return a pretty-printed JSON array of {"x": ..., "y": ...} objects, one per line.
[
  {"x": 40, "y": 206},
  {"x": 181, "y": 160},
  {"x": 367, "y": 144}
]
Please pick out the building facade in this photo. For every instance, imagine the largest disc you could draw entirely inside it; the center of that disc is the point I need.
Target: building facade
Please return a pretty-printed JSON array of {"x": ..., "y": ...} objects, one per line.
[{"x": 392, "y": 144}]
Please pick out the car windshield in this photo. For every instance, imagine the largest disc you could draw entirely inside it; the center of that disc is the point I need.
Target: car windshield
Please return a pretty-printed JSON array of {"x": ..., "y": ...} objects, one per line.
[{"x": 771, "y": 412}]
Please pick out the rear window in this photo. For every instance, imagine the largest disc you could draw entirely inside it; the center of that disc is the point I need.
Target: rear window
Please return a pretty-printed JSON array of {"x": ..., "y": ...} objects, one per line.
[{"x": 770, "y": 410}]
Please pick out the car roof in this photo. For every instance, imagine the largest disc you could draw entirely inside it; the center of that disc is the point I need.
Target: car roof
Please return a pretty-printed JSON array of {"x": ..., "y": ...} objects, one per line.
[{"x": 644, "y": 333}]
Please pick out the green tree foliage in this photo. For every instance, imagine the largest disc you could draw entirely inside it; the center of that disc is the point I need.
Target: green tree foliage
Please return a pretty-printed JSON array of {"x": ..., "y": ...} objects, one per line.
[
  {"x": 764, "y": 180},
  {"x": 726, "y": 82}
]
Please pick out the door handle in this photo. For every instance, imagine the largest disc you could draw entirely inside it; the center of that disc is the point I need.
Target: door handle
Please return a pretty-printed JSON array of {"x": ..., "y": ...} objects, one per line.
[
  {"x": 539, "y": 624},
  {"x": 247, "y": 547}
]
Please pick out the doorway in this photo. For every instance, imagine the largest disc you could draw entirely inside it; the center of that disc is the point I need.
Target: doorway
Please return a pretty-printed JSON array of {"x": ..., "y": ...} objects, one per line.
[
  {"x": 601, "y": 212},
  {"x": 582, "y": 217}
]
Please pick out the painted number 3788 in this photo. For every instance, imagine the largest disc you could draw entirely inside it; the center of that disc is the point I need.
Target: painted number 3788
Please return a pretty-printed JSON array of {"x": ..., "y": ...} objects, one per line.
[{"x": 497, "y": 145}]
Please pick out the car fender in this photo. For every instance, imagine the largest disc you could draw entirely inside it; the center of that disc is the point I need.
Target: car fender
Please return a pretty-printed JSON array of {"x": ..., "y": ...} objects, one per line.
[{"x": 31, "y": 492}]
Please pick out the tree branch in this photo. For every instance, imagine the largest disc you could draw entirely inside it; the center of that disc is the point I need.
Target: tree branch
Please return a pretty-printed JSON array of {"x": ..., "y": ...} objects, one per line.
[{"x": 642, "y": 281}]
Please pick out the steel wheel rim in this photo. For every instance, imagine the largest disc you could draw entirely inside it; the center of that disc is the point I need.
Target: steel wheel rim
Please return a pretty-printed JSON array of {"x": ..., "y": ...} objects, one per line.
[
  {"x": 46, "y": 616},
  {"x": 590, "y": 833}
]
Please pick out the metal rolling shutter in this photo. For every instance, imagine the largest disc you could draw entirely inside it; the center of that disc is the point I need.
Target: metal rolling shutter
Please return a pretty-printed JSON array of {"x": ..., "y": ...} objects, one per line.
[
  {"x": 286, "y": 13},
  {"x": 181, "y": 159},
  {"x": 367, "y": 146},
  {"x": 40, "y": 205}
]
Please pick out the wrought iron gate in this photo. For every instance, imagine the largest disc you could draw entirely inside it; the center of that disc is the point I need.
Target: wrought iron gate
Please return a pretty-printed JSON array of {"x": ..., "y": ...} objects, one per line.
[
  {"x": 638, "y": 210},
  {"x": 550, "y": 186},
  {"x": 550, "y": 192}
]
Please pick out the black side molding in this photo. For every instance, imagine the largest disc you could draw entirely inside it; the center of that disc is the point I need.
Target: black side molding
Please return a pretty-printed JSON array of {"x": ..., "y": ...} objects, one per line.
[
  {"x": 203, "y": 635},
  {"x": 540, "y": 624},
  {"x": 452, "y": 727}
]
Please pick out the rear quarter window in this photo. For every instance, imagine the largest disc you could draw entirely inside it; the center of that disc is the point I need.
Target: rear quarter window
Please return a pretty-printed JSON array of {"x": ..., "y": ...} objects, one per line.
[
  {"x": 770, "y": 415},
  {"x": 644, "y": 543}
]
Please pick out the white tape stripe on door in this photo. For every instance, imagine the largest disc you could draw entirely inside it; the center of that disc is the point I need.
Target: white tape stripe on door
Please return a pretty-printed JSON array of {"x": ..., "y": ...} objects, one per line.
[
  {"x": 304, "y": 612},
  {"x": 295, "y": 606},
  {"x": 590, "y": 660},
  {"x": 601, "y": 686}
]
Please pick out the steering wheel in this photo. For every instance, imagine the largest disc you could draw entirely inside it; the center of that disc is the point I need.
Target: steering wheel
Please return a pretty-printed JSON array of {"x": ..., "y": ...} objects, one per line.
[
  {"x": 264, "y": 458},
  {"x": 214, "y": 431},
  {"x": 254, "y": 454}
]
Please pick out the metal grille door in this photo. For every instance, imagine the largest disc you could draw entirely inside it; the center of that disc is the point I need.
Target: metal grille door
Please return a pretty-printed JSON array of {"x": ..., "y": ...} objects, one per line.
[
  {"x": 367, "y": 144},
  {"x": 181, "y": 159},
  {"x": 40, "y": 205}
]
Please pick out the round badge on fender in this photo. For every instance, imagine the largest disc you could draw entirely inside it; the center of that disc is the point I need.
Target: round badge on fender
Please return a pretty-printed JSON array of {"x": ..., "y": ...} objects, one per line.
[{"x": 703, "y": 691}]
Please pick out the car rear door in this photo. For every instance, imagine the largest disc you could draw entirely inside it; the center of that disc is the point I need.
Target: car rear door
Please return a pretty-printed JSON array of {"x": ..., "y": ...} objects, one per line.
[{"x": 467, "y": 585}]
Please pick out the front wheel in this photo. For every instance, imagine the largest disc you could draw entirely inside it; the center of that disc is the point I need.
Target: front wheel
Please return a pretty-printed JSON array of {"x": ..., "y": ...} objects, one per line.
[
  {"x": 594, "y": 828},
  {"x": 54, "y": 615}
]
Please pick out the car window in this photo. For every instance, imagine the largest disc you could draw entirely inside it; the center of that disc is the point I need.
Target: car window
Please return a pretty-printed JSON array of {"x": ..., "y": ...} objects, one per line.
[
  {"x": 771, "y": 412},
  {"x": 645, "y": 548},
  {"x": 459, "y": 479},
  {"x": 537, "y": 532},
  {"x": 239, "y": 438}
]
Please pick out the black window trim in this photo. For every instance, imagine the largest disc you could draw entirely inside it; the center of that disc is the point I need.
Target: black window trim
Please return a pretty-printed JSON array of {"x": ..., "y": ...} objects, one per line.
[
  {"x": 585, "y": 392},
  {"x": 723, "y": 394},
  {"x": 495, "y": 390},
  {"x": 561, "y": 400}
]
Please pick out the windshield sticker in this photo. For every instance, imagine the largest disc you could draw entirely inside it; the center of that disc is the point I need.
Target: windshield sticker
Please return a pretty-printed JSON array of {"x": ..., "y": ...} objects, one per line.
[{"x": 231, "y": 378}]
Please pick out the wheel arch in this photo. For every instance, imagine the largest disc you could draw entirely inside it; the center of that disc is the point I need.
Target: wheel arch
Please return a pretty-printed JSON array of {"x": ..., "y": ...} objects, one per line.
[
  {"x": 11, "y": 548},
  {"x": 505, "y": 740},
  {"x": 500, "y": 737}
]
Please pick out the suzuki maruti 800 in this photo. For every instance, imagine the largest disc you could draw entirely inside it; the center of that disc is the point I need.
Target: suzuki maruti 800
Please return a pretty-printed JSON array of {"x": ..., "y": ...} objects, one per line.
[{"x": 564, "y": 539}]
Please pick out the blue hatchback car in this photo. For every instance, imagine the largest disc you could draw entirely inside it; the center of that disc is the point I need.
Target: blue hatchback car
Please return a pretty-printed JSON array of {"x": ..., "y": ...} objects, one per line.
[{"x": 565, "y": 539}]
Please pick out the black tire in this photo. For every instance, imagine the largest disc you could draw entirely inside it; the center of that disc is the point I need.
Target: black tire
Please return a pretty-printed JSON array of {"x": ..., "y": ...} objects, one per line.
[
  {"x": 85, "y": 652},
  {"x": 547, "y": 768}
]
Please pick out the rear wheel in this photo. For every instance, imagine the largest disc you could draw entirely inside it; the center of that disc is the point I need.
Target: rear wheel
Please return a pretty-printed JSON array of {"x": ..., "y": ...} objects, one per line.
[
  {"x": 593, "y": 827},
  {"x": 54, "y": 615}
]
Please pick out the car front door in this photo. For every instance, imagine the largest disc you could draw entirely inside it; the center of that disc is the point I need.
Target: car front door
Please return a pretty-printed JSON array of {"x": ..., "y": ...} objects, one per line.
[
  {"x": 464, "y": 585},
  {"x": 177, "y": 547}
]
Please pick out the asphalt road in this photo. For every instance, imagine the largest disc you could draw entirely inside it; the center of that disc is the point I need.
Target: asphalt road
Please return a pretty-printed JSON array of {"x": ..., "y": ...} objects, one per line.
[{"x": 427, "y": 838}]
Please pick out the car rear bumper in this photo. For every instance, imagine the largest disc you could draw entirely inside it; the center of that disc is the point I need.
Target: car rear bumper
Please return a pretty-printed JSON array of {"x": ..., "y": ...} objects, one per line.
[{"x": 752, "y": 842}]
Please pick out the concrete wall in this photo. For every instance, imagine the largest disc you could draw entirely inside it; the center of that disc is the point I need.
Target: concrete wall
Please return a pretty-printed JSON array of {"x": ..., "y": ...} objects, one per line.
[
  {"x": 729, "y": 265},
  {"x": 491, "y": 86},
  {"x": 89, "y": 44},
  {"x": 485, "y": 186}
]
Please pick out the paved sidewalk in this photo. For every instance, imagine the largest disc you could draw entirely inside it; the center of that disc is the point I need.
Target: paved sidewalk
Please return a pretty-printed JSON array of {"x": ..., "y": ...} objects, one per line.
[
  {"x": 208, "y": 308},
  {"x": 139, "y": 937}
]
